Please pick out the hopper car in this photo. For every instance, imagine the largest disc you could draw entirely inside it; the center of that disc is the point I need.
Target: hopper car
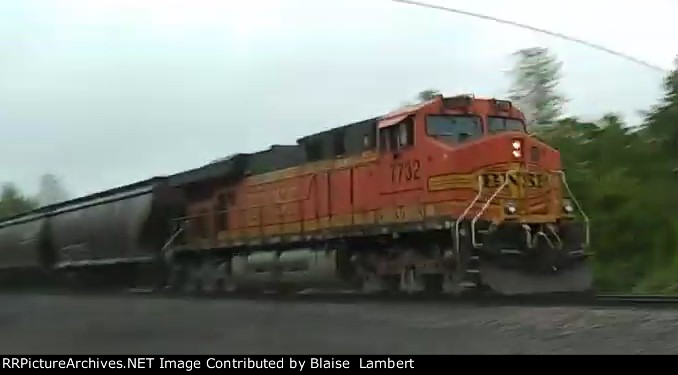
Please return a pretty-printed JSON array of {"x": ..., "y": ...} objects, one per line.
[
  {"x": 108, "y": 238},
  {"x": 448, "y": 196}
]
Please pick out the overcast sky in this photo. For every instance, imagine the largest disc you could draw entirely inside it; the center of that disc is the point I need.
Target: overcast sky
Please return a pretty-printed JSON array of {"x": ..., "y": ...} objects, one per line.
[{"x": 107, "y": 92}]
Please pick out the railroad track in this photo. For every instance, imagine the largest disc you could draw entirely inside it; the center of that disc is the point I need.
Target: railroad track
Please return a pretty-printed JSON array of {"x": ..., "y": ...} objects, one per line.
[
  {"x": 637, "y": 299},
  {"x": 597, "y": 300},
  {"x": 554, "y": 300}
]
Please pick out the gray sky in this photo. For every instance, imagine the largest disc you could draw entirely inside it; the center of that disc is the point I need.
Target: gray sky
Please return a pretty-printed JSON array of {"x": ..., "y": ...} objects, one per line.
[{"x": 107, "y": 92}]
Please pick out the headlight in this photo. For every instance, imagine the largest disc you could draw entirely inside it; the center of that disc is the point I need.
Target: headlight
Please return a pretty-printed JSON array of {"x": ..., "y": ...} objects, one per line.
[
  {"x": 567, "y": 206},
  {"x": 517, "y": 148},
  {"x": 510, "y": 208}
]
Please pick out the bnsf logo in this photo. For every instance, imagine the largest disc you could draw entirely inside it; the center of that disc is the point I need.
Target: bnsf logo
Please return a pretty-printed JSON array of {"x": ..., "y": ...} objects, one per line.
[{"x": 530, "y": 180}]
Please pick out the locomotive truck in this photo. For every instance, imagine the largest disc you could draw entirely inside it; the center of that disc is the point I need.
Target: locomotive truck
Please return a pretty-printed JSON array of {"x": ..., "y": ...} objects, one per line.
[{"x": 448, "y": 196}]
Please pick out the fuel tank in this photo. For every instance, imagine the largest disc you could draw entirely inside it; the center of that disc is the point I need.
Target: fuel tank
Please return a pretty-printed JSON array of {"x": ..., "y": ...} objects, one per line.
[{"x": 302, "y": 267}]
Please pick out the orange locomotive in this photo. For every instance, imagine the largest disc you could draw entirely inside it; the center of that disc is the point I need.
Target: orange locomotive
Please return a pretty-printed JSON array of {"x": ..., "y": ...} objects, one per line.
[{"x": 446, "y": 196}]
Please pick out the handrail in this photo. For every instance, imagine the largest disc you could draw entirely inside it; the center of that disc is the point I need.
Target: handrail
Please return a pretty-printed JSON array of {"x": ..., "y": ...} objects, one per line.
[
  {"x": 486, "y": 205},
  {"x": 528, "y": 235},
  {"x": 461, "y": 217},
  {"x": 163, "y": 250},
  {"x": 555, "y": 235},
  {"x": 581, "y": 211},
  {"x": 542, "y": 234}
]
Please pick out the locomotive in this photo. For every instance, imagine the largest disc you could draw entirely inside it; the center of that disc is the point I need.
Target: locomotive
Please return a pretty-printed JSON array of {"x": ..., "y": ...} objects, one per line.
[{"x": 448, "y": 196}]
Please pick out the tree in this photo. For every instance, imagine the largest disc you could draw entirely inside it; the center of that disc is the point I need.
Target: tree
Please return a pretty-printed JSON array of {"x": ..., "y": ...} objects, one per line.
[
  {"x": 661, "y": 119},
  {"x": 536, "y": 75},
  {"x": 626, "y": 185},
  {"x": 12, "y": 202},
  {"x": 427, "y": 95},
  {"x": 422, "y": 96},
  {"x": 51, "y": 190}
]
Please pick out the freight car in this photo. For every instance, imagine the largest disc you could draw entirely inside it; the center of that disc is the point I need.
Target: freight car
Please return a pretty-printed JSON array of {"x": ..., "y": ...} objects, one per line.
[
  {"x": 447, "y": 196},
  {"x": 108, "y": 238}
]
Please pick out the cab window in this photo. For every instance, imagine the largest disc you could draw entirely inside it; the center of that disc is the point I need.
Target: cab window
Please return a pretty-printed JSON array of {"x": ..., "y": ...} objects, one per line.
[
  {"x": 454, "y": 129},
  {"x": 397, "y": 137},
  {"x": 503, "y": 124}
]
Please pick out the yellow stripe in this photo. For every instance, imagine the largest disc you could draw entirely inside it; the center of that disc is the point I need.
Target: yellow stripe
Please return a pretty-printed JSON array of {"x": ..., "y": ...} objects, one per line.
[
  {"x": 292, "y": 228},
  {"x": 452, "y": 181}
]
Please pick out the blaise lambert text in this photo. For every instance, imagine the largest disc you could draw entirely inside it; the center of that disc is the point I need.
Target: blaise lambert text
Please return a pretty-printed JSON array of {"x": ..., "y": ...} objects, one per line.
[{"x": 333, "y": 363}]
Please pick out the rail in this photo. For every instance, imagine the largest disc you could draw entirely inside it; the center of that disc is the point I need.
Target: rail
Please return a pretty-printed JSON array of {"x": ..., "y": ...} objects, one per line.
[
  {"x": 480, "y": 300},
  {"x": 486, "y": 205},
  {"x": 576, "y": 203},
  {"x": 637, "y": 298}
]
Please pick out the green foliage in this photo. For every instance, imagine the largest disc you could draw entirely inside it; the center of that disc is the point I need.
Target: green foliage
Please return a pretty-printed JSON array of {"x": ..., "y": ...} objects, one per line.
[
  {"x": 421, "y": 97},
  {"x": 13, "y": 203},
  {"x": 427, "y": 95},
  {"x": 536, "y": 75},
  {"x": 661, "y": 124},
  {"x": 627, "y": 181}
]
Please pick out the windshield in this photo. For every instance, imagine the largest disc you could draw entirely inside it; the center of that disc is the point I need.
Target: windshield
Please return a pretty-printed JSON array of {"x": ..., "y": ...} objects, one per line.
[
  {"x": 502, "y": 124},
  {"x": 454, "y": 128}
]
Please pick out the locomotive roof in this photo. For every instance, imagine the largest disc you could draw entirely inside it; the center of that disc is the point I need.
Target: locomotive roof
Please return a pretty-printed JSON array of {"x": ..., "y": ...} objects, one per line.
[
  {"x": 238, "y": 165},
  {"x": 274, "y": 158},
  {"x": 336, "y": 129},
  {"x": 396, "y": 113},
  {"x": 406, "y": 110},
  {"x": 211, "y": 170}
]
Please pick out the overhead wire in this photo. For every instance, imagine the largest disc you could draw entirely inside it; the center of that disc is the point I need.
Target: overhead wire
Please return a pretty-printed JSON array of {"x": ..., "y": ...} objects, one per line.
[{"x": 536, "y": 29}]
